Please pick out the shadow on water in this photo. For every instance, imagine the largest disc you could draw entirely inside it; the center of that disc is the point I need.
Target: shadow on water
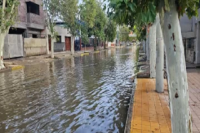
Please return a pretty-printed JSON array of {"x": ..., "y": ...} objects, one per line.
[{"x": 78, "y": 95}]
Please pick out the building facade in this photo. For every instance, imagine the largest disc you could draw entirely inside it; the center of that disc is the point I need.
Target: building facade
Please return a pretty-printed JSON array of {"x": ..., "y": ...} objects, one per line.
[
  {"x": 31, "y": 19},
  {"x": 30, "y": 26},
  {"x": 190, "y": 29},
  {"x": 63, "y": 40}
]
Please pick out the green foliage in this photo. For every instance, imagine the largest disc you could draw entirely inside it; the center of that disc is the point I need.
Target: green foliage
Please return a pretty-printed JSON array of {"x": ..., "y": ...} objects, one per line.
[
  {"x": 52, "y": 11},
  {"x": 190, "y": 7},
  {"x": 99, "y": 23},
  {"x": 143, "y": 12},
  {"x": 140, "y": 32},
  {"x": 88, "y": 12},
  {"x": 94, "y": 20},
  {"x": 84, "y": 34},
  {"x": 8, "y": 13},
  {"x": 110, "y": 30},
  {"x": 124, "y": 33},
  {"x": 129, "y": 12},
  {"x": 68, "y": 13}
]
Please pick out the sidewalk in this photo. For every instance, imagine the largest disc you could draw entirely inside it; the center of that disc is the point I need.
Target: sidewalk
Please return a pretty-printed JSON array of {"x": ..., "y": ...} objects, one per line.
[
  {"x": 20, "y": 63},
  {"x": 31, "y": 60},
  {"x": 151, "y": 112},
  {"x": 194, "y": 94}
]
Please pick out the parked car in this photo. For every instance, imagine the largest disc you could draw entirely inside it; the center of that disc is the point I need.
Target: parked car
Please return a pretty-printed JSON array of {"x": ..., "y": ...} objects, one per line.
[
  {"x": 77, "y": 45},
  {"x": 87, "y": 45}
]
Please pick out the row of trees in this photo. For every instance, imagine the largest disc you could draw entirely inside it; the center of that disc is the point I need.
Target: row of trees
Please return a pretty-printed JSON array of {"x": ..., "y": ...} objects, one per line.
[
  {"x": 156, "y": 23},
  {"x": 87, "y": 17},
  {"x": 84, "y": 20}
]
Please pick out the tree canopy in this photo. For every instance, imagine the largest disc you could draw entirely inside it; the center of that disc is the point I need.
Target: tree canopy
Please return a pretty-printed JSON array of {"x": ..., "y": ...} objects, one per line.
[
  {"x": 69, "y": 14},
  {"x": 110, "y": 30},
  {"x": 8, "y": 13},
  {"x": 143, "y": 12},
  {"x": 124, "y": 33}
]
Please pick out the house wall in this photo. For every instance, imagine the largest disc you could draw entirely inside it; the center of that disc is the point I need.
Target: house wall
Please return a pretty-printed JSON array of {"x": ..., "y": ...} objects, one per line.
[
  {"x": 63, "y": 32},
  {"x": 34, "y": 46},
  {"x": 58, "y": 47},
  {"x": 190, "y": 31},
  {"x": 30, "y": 21},
  {"x": 190, "y": 50},
  {"x": 13, "y": 46}
]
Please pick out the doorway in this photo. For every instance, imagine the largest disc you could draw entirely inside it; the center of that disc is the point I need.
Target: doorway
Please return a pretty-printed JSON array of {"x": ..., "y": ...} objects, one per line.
[{"x": 68, "y": 43}]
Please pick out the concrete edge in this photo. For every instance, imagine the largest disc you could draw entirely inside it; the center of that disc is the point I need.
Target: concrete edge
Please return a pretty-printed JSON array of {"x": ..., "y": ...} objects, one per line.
[
  {"x": 130, "y": 110},
  {"x": 7, "y": 69},
  {"x": 12, "y": 68},
  {"x": 16, "y": 67},
  {"x": 84, "y": 54},
  {"x": 96, "y": 52}
]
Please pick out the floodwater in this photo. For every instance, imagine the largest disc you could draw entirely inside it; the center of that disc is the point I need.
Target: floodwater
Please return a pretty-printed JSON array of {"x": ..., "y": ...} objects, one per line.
[{"x": 87, "y": 94}]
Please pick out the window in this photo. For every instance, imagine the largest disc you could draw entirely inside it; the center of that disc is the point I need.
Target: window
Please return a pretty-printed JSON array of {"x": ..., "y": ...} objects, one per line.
[
  {"x": 34, "y": 36},
  {"x": 190, "y": 43},
  {"x": 58, "y": 39},
  {"x": 33, "y": 8}
]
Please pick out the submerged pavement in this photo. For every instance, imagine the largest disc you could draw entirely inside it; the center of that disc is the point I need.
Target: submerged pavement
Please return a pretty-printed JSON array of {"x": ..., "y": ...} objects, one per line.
[{"x": 81, "y": 95}]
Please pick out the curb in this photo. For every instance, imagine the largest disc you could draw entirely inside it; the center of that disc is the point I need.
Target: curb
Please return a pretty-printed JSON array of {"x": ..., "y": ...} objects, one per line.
[
  {"x": 130, "y": 109},
  {"x": 96, "y": 52},
  {"x": 5, "y": 70},
  {"x": 84, "y": 54},
  {"x": 10, "y": 68},
  {"x": 16, "y": 67}
]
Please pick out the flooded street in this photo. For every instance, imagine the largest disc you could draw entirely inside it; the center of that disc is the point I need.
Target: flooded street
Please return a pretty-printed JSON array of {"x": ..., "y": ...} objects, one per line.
[{"x": 87, "y": 94}]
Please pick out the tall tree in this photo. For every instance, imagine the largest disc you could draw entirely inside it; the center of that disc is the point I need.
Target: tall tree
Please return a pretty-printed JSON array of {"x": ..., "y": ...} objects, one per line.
[
  {"x": 169, "y": 11},
  {"x": 159, "y": 57},
  {"x": 110, "y": 31},
  {"x": 124, "y": 33},
  {"x": 69, "y": 14},
  {"x": 8, "y": 13},
  {"x": 88, "y": 13},
  {"x": 176, "y": 66},
  {"x": 99, "y": 25},
  {"x": 52, "y": 11}
]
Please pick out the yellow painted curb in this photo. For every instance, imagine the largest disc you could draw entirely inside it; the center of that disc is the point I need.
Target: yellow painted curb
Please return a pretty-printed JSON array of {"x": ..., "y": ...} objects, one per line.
[
  {"x": 96, "y": 52},
  {"x": 18, "y": 67},
  {"x": 85, "y": 54}
]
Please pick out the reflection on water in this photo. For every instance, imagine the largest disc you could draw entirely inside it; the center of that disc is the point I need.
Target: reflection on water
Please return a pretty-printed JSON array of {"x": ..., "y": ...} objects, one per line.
[{"x": 83, "y": 95}]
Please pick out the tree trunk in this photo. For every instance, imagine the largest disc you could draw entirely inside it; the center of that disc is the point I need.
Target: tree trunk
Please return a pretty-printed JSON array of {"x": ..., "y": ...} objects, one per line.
[
  {"x": 144, "y": 46},
  {"x": 52, "y": 48},
  {"x": 2, "y": 37},
  {"x": 177, "y": 76},
  {"x": 159, "y": 57},
  {"x": 104, "y": 44},
  {"x": 152, "y": 44},
  {"x": 147, "y": 45},
  {"x": 72, "y": 45},
  {"x": 47, "y": 40},
  {"x": 95, "y": 45}
]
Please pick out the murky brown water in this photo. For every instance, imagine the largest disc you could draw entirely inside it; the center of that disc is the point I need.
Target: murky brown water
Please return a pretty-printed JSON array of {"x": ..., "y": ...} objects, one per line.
[{"x": 83, "y": 95}]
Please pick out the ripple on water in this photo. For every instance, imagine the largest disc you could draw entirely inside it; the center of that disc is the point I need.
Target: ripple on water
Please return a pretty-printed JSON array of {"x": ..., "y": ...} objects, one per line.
[{"x": 82, "y": 95}]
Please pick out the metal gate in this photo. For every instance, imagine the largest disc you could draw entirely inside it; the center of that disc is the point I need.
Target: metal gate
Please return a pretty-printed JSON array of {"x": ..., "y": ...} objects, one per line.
[{"x": 13, "y": 46}]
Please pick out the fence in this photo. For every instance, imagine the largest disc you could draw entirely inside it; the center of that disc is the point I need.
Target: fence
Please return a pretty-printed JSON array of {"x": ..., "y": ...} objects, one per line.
[
  {"x": 35, "y": 46},
  {"x": 13, "y": 46}
]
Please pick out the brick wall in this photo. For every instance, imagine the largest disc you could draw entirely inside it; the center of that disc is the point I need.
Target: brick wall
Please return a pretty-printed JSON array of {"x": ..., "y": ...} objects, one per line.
[{"x": 36, "y": 19}]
